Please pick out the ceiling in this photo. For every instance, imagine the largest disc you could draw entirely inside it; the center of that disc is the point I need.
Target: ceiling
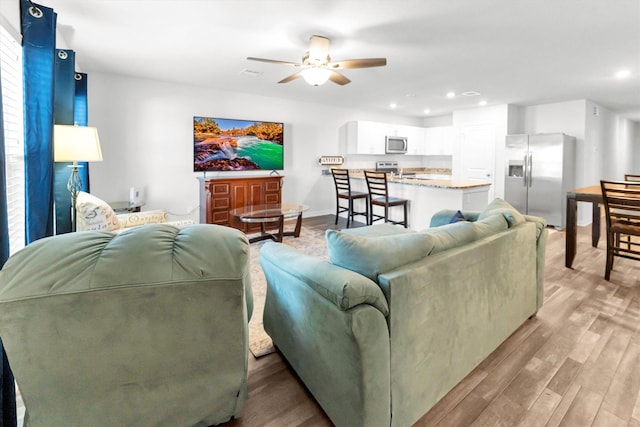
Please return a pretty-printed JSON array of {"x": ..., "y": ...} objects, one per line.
[{"x": 521, "y": 52}]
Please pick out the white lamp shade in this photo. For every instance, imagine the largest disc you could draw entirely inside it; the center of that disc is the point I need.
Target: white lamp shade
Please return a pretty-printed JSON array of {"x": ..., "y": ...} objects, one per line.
[
  {"x": 76, "y": 144},
  {"x": 315, "y": 76}
]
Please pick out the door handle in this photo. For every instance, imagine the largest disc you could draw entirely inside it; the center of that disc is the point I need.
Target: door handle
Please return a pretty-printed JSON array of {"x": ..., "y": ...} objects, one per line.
[
  {"x": 530, "y": 169},
  {"x": 526, "y": 168}
]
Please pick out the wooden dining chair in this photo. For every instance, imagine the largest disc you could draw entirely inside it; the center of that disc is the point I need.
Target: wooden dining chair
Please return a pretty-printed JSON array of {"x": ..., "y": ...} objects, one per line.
[
  {"x": 631, "y": 177},
  {"x": 379, "y": 196},
  {"x": 343, "y": 192},
  {"x": 622, "y": 212}
]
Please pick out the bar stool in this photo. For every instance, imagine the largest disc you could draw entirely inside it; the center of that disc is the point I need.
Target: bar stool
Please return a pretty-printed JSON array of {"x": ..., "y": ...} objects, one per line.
[
  {"x": 343, "y": 191},
  {"x": 379, "y": 196}
]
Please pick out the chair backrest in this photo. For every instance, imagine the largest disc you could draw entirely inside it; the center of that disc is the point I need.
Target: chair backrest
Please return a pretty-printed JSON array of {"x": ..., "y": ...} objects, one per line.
[
  {"x": 630, "y": 177},
  {"x": 341, "y": 180},
  {"x": 122, "y": 329},
  {"x": 377, "y": 184},
  {"x": 622, "y": 204}
]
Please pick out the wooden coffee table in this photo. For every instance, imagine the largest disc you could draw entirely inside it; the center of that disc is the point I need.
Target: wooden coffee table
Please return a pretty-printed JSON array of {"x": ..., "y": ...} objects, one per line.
[{"x": 274, "y": 214}]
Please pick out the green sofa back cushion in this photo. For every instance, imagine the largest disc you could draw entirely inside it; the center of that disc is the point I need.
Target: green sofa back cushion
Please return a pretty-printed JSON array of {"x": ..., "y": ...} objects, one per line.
[
  {"x": 500, "y": 206},
  {"x": 460, "y": 233},
  {"x": 378, "y": 230},
  {"x": 371, "y": 256}
]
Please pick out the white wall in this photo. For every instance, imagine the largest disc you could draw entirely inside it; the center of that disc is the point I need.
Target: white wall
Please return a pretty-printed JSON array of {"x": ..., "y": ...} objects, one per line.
[
  {"x": 10, "y": 17},
  {"x": 606, "y": 143},
  {"x": 495, "y": 117},
  {"x": 146, "y": 134}
]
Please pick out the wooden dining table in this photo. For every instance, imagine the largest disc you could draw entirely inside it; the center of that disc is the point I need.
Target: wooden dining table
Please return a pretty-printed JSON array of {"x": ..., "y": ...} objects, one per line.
[{"x": 593, "y": 195}]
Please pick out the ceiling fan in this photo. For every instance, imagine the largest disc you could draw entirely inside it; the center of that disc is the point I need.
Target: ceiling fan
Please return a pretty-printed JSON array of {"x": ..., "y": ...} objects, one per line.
[{"x": 317, "y": 67}]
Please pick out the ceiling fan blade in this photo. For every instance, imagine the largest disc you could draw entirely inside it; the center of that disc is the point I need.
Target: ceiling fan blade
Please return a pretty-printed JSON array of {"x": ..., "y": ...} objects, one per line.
[
  {"x": 273, "y": 61},
  {"x": 291, "y": 77},
  {"x": 359, "y": 63},
  {"x": 318, "y": 48},
  {"x": 338, "y": 78}
]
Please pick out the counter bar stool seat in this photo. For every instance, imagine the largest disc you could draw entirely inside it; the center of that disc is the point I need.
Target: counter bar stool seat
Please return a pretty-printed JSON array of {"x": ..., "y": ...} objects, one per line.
[
  {"x": 379, "y": 196},
  {"x": 344, "y": 192}
]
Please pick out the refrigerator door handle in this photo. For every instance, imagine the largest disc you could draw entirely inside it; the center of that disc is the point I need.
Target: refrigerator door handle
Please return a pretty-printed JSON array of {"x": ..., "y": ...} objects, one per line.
[
  {"x": 526, "y": 168},
  {"x": 530, "y": 169}
]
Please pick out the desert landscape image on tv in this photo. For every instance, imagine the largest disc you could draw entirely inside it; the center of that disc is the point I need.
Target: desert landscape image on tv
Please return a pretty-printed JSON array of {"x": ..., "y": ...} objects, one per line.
[{"x": 236, "y": 145}]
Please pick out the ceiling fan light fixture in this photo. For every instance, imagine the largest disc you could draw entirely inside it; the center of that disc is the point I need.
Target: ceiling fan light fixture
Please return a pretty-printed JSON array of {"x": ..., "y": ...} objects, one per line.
[{"x": 315, "y": 76}]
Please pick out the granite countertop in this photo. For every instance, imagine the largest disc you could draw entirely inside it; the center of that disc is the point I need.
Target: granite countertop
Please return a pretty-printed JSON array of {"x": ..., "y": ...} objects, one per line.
[
  {"x": 438, "y": 183},
  {"x": 425, "y": 182}
]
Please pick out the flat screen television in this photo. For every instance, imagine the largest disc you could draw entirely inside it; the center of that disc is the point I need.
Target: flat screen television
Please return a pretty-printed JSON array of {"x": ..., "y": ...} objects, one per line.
[{"x": 236, "y": 145}]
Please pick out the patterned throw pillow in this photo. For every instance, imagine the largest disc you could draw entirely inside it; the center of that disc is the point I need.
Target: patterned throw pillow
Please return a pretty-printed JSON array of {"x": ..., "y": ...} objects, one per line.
[{"x": 93, "y": 213}]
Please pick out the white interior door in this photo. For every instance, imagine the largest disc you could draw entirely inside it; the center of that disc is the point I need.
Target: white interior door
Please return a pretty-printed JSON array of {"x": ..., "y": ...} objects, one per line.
[{"x": 478, "y": 154}]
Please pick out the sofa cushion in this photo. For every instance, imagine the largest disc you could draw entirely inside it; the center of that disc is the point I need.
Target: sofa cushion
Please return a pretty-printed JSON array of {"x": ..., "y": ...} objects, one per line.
[
  {"x": 459, "y": 233},
  {"x": 378, "y": 230},
  {"x": 457, "y": 217},
  {"x": 510, "y": 213},
  {"x": 371, "y": 256},
  {"x": 141, "y": 218},
  {"x": 93, "y": 213}
]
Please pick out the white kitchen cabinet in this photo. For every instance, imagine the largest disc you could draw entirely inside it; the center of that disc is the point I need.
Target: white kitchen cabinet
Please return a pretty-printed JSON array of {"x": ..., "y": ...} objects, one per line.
[
  {"x": 367, "y": 137},
  {"x": 439, "y": 141},
  {"x": 416, "y": 144}
]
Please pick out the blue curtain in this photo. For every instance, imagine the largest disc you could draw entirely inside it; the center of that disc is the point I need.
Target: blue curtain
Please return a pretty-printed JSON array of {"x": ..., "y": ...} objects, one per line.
[
  {"x": 64, "y": 95},
  {"x": 8, "y": 416},
  {"x": 38, "y": 44},
  {"x": 81, "y": 118}
]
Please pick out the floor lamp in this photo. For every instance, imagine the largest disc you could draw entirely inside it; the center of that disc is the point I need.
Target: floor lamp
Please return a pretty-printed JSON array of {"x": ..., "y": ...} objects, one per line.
[{"x": 75, "y": 144}]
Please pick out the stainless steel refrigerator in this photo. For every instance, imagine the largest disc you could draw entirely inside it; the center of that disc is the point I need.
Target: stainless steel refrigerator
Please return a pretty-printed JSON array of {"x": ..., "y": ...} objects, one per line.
[{"x": 539, "y": 171}]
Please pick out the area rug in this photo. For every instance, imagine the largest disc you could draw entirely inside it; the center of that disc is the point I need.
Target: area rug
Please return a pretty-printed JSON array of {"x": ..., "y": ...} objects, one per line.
[{"x": 311, "y": 242}]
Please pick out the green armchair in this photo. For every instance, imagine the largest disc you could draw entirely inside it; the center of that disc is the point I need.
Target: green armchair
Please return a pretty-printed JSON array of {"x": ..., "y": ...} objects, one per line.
[{"x": 144, "y": 327}]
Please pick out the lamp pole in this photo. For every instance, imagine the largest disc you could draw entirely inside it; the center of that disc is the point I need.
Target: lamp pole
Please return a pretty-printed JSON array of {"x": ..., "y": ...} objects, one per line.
[{"x": 74, "y": 185}]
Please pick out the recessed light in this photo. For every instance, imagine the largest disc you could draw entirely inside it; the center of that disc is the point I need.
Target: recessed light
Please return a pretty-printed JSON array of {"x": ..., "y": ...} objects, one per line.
[
  {"x": 426, "y": 111},
  {"x": 470, "y": 93},
  {"x": 623, "y": 74},
  {"x": 451, "y": 95},
  {"x": 393, "y": 105},
  {"x": 482, "y": 103}
]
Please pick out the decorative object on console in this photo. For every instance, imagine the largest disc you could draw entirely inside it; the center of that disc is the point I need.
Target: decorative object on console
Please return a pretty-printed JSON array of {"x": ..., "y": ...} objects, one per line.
[
  {"x": 237, "y": 145},
  {"x": 317, "y": 67},
  {"x": 75, "y": 144}
]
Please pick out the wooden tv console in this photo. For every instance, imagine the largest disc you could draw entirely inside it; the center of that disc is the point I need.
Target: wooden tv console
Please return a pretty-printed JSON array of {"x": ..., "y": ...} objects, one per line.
[{"x": 220, "y": 195}]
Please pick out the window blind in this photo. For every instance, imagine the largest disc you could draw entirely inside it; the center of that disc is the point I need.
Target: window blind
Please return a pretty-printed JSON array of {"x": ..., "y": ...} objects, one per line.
[{"x": 11, "y": 64}]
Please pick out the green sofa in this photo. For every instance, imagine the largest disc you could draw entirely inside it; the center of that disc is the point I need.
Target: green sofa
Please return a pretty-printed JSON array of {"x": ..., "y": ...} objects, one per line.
[
  {"x": 148, "y": 327},
  {"x": 398, "y": 317}
]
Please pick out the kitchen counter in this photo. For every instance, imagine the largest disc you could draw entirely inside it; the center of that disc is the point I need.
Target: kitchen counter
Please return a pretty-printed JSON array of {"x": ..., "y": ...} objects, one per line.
[
  {"x": 427, "y": 196},
  {"x": 429, "y": 182}
]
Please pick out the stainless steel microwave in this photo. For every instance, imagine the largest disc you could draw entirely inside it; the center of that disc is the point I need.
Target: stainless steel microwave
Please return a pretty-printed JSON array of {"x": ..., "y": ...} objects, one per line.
[{"x": 395, "y": 144}]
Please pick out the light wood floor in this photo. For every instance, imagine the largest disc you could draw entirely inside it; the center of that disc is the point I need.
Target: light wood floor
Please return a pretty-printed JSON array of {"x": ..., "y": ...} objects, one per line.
[{"x": 576, "y": 364}]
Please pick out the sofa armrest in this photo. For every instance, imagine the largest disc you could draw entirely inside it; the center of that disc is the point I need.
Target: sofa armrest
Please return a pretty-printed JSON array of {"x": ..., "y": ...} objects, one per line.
[
  {"x": 331, "y": 348},
  {"x": 129, "y": 220},
  {"x": 344, "y": 288}
]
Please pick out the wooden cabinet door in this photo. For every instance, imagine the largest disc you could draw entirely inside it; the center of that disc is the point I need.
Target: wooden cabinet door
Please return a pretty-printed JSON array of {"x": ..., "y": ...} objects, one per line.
[{"x": 219, "y": 196}]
